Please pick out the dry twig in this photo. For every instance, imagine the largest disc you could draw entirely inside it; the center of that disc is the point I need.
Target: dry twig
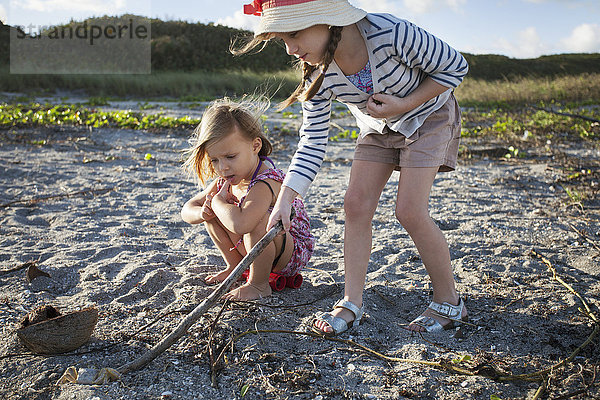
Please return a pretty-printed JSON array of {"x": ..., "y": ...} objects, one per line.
[
  {"x": 213, "y": 363},
  {"x": 35, "y": 200},
  {"x": 20, "y": 267}
]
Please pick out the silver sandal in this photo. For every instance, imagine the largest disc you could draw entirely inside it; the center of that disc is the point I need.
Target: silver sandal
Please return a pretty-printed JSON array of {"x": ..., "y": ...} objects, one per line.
[
  {"x": 338, "y": 324},
  {"x": 444, "y": 310}
]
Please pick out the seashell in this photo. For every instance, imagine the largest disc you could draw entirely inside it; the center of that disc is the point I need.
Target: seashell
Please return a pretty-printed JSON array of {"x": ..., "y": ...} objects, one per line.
[{"x": 45, "y": 331}]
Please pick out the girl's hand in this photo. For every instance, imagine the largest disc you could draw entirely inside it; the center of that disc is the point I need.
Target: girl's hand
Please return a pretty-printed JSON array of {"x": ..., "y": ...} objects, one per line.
[
  {"x": 206, "y": 212},
  {"x": 382, "y": 105},
  {"x": 282, "y": 208},
  {"x": 225, "y": 195}
]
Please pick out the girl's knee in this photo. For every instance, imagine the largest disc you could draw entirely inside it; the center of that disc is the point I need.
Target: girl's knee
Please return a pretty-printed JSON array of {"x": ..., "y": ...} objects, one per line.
[
  {"x": 411, "y": 217},
  {"x": 250, "y": 240},
  {"x": 357, "y": 205}
]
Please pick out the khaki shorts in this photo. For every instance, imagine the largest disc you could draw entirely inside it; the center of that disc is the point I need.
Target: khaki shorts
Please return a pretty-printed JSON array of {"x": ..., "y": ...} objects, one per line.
[{"x": 434, "y": 144}]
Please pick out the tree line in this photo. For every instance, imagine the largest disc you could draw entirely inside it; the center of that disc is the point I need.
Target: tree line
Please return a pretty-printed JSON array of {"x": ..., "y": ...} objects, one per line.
[{"x": 185, "y": 46}]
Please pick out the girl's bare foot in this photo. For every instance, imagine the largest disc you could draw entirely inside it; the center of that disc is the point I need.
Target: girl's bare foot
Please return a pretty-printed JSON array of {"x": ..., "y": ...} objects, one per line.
[
  {"x": 249, "y": 291},
  {"x": 213, "y": 279}
]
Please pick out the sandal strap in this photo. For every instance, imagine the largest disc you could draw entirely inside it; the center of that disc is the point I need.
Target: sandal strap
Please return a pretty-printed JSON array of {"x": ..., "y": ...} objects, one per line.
[
  {"x": 358, "y": 312},
  {"x": 337, "y": 324},
  {"x": 448, "y": 310},
  {"x": 430, "y": 324}
]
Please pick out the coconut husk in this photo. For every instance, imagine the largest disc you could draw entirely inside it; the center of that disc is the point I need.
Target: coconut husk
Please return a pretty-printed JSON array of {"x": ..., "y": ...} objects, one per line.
[{"x": 45, "y": 331}]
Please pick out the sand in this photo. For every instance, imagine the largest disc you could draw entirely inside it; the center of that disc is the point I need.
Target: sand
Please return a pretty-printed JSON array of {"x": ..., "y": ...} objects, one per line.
[{"x": 111, "y": 237}]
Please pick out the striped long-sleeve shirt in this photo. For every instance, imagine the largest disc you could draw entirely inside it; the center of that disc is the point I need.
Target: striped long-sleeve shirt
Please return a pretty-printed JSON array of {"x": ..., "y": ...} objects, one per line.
[{"x": 402, "y": 55}]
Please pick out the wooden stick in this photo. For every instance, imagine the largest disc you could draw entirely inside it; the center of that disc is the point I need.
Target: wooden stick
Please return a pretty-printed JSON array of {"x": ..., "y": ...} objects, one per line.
[{"x": 193, "y": 316}]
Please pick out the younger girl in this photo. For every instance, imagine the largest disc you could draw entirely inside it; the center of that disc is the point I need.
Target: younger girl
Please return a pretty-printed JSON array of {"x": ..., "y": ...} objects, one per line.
[
  {"x": 229, "y": 143},
  {"x": 397, "y": 81}
]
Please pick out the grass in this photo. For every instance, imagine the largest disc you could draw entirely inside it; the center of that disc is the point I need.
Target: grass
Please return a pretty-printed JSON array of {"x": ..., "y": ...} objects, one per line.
[
  {"x": 580, "y": 89},
  {"x": 183, "y": 86},
  {"x": 202, "y": 86}
]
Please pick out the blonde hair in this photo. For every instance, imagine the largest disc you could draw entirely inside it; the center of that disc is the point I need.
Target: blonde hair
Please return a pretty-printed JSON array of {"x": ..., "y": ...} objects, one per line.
[
  {"x": 221, "y": 119},
  {"x": 304, "y": 91}
]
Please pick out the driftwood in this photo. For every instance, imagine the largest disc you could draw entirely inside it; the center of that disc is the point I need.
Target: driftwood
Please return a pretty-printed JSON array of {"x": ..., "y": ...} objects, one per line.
[{"x": 193, "y": 316}]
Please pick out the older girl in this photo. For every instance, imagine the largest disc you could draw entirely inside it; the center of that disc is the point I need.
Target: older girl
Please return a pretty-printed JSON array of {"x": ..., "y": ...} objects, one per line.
[{"x": 397, "y": 80}]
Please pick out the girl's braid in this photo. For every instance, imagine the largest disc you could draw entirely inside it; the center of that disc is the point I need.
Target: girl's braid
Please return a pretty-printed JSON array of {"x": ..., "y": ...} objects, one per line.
[
  {"x": 336, "y": 35},
  {"x": 307, "y": 70}
]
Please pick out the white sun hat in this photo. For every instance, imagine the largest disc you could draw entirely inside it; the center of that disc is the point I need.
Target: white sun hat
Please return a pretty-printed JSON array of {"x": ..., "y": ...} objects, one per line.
[{"x": 295, "y": 15}]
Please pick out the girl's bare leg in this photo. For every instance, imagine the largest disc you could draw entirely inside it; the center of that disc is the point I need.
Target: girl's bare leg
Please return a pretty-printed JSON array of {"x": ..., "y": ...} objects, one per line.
[
  {"x": 367, "y": 180},
  {"x": 412, "y": 210},
  {"x": 224, "y": 241},
  {"x": 257, "y": 285}
]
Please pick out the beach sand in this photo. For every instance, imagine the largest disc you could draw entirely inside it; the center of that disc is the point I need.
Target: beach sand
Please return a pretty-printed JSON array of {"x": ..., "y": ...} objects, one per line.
[{"x": 111, "y": 236}]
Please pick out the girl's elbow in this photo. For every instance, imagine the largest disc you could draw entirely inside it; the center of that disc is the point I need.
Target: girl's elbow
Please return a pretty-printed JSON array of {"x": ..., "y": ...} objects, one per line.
[
  {"x": 189, "y": 215},
  {"x": 185, "y": 216}
]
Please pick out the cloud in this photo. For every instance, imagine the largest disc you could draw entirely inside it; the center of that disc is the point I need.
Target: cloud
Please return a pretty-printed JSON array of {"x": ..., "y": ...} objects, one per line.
[
  {"x": 3, "y": 15},
  {"x": 412, "y": 7},
  {"x": 527, "y": 44},
  {"x": 456, "y": 5},
  {"x": 427, "y": 6},
  {"x": 419, "y": 6},
  {"x": 585, "y": 38},
  {"x": 570, "y": 2},
  {"x": 89, "y": 6},
  {"x": 241, "y": 21},
  {"x": 379, "y": 6}
]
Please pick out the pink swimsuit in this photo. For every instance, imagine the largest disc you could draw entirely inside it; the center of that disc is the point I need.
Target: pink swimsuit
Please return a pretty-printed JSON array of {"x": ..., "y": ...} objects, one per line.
[{"x": 304, "y": 241}]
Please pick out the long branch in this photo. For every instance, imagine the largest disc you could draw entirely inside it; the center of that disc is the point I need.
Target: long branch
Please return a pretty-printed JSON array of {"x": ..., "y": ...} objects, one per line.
[{"x": 192, "y": 317}]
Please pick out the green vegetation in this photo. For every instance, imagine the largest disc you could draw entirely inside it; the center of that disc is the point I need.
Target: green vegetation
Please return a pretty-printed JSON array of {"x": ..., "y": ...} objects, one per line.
[
  {"x": 34, "y": 114},
  {"x": 184, "y": 46},
  {"x": 532, "y": 124},
  {"x": 345, "y": 134},
  {"x": 203, "y": 86}
]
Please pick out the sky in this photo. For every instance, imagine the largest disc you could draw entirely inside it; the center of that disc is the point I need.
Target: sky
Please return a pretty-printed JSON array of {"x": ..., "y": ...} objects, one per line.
[{"x": 514, "y": 28}]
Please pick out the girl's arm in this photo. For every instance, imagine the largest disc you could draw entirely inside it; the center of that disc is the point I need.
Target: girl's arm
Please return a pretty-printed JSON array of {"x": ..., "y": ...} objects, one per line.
[
  {"x": 197, "y": 210},
  {"x": 419, "y": 49},
  {"x": 282, "y": 208},
  {"x": 385, "y": 106},
  {"x": 444, "y": 67},
  {"x": 314, "y": 134},
  {"x": 244, "y": 219}
]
